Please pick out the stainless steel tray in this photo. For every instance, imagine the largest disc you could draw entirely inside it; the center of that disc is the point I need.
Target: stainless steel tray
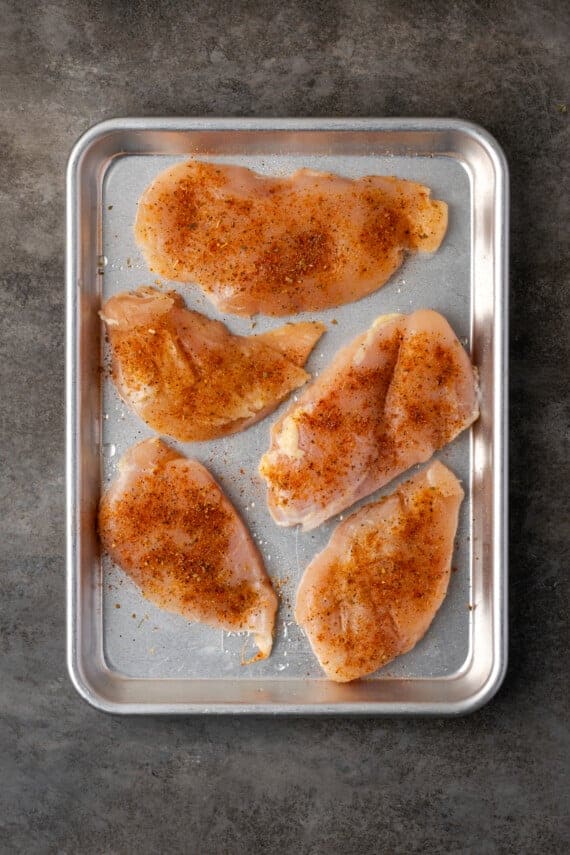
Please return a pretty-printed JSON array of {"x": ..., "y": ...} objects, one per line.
[{"x": 124, "y": 655}]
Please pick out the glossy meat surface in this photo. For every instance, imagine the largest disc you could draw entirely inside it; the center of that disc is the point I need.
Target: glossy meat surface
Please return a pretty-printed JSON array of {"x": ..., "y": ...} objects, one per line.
[
  {"x": 373, "y": 592},
  {"x": 282, "y": 245},
  {"x": 165, "y": 522},
  {"x": 389, "y": 399},
  {"x": 188, "y": 376}
]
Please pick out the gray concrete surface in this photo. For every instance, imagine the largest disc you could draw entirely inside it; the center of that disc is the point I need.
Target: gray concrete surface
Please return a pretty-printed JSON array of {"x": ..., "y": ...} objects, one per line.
[{"x": 75, "y": 781}]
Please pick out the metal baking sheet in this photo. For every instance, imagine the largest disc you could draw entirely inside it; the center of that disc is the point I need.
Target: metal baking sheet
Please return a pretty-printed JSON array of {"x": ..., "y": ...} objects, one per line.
[{"x": 126, "y": 655}]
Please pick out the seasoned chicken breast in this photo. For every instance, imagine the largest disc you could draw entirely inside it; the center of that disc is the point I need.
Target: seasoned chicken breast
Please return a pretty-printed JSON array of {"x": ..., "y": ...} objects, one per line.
[
  {"x": 373, "y": 592},
  {"x": 282, "y": 245},
  {"x": 166, "y": 522},
  {"x": 187, "y": 376},
  {"x": 389, "y": 399}
]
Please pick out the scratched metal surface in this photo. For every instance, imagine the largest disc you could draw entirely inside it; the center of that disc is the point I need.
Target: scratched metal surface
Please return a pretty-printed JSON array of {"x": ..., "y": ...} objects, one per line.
[{"x": 135, "y": 639}]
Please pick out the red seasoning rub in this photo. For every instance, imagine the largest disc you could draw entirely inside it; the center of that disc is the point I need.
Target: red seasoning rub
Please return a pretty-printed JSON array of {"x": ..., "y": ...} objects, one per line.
[
  {"x": 166, "y": 523},
  {"x": 282, "y": 245},
  {"x": 187, "y": 376},
  {"x": 389, "y": 399},
  {"x": 373, "y": 592}
]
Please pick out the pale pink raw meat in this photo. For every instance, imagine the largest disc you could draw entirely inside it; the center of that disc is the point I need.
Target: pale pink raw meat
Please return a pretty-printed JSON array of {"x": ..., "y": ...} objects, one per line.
[
  {"x": 373, "y": 592},
  {"x": 287, "y": 244},
  {"x": 390, "y": 398},
  {"x": 167, "y": 523},
  {"x": 188, "y": 376}
]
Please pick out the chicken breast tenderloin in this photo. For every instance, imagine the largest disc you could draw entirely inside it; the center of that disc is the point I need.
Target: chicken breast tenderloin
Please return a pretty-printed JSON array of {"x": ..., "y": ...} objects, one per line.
[
  {"x": 392, "y": 397},
  {"x": 282, "y": 245},
  {"x": 166, "y": 523},
  {"x": 373, "y": 592}
]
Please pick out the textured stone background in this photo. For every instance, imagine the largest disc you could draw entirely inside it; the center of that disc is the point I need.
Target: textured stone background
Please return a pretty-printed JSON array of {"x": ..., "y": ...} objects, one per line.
[{"x": 76, "y": 781}]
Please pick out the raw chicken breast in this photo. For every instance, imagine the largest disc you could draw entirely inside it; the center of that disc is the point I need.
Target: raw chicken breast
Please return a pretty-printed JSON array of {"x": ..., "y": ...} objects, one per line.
[
  {"x": 372, "y": 593},
  {"x": 389, "y": 399},
  {"x": 187, "y": 376},
  {"x": 166, "y": 522},
  {"x": 302, "y": 242}
]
